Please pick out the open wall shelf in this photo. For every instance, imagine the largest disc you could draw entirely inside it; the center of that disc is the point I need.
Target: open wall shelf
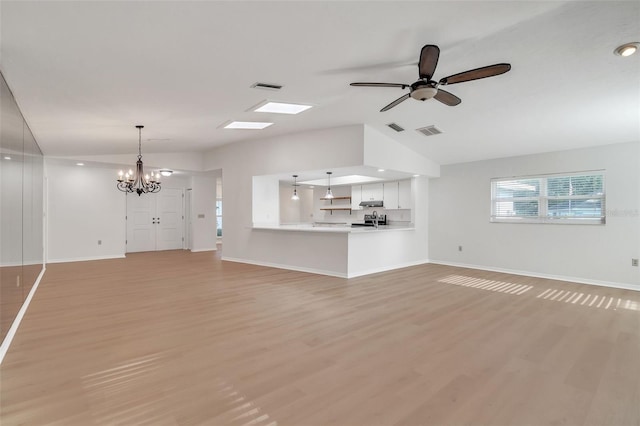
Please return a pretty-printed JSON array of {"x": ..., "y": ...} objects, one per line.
[
  {"x": 336, "y": 198},
  {"x": 342, "y": 207}
]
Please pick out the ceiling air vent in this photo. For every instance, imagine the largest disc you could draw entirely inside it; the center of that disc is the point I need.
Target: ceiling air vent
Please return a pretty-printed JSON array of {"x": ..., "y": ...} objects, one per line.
[
  {"x": 266, "y": 86},
  {"x": 395, "y": 127},
  {"x": 429, "y": 130}
]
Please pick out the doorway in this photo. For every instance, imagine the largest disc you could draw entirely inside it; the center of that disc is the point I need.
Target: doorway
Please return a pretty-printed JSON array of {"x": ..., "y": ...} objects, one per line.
[{"x": 155, "y": 221}]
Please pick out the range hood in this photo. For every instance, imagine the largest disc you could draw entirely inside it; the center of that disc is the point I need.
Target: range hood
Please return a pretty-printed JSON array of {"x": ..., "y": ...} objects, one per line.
[{"x": 371, "y": 203}]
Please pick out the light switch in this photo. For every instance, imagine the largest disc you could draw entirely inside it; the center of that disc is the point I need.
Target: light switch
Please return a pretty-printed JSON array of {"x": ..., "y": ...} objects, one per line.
[{"x": 200, "y": 215}]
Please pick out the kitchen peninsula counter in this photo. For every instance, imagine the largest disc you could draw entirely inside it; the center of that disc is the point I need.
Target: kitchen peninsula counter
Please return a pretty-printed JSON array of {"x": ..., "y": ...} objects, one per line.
[
  {"x": 340, "y": 251},
  {"x": 335, "y": 229}
]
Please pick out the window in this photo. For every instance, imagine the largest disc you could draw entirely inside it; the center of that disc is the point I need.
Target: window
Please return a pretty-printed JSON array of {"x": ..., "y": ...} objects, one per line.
[
  {"x": 566, "y": 198},
  {"x": 219, "y": 208}
]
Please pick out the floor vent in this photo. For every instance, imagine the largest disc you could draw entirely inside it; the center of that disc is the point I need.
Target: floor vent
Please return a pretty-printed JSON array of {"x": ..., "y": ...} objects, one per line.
[
  {"x": 395, "y": 127},
  {"x": 429, "y": 130},
  {"x": 266, "y": 86}
]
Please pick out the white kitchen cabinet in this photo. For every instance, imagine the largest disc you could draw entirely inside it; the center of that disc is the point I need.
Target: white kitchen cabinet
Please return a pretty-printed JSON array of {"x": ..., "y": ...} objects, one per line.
[
  {"x": 356, "y": 197},
  {"x": 404, "y": 194},
  {"x": 372, "y": 191},
  {"x": 390, "y": 195}
]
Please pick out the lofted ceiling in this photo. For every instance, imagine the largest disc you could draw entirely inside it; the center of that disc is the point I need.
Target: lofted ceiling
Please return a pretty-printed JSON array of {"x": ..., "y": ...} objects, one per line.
[{"x": 85, "y": 73}]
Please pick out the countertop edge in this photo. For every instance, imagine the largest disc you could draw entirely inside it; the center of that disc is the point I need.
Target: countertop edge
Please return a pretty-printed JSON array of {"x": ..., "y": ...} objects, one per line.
[{"x": 328, "y": 229}]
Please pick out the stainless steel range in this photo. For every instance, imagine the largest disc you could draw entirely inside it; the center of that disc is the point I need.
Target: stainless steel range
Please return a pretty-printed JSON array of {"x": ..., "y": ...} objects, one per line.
[{"x": 369, "y": 220}]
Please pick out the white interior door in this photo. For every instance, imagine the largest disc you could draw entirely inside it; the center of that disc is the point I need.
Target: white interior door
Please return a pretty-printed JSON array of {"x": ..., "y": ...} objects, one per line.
[
  {"x": 155, "y": 221},
  {"x": 169, "y": 219},
  {"x": 141, "y": 228}
]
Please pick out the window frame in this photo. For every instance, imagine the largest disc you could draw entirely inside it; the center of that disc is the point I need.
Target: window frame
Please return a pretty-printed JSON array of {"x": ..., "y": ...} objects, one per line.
[{"x": 543, "y": 200}]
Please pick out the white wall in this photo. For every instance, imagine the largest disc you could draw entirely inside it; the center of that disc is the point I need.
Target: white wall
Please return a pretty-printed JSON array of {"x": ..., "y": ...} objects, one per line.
[
  {"x": 241, "y": 161},
  {"x": 317, "y": 252},
  {"x": 265, "y": 203},
  {"x": 459, "y": 209},
  {"x": 186, "y": 161},
  {"x": 319, "y": 150},
  {"x": 203, "y": 211},
  {"x": 383, "y": 152},
  {"x": 291, "y": 211},
  {"x": 84, "y": 206}
]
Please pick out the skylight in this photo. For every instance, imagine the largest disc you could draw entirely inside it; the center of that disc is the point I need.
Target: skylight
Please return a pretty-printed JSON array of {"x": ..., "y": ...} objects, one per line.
[
  {"x": 250, "y": 125},
  {"x": 280, "y": 107}
]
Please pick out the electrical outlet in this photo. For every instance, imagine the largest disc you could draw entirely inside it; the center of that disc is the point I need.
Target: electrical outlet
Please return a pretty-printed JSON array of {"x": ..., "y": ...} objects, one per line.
[
  {"x": 459, "y": 248},
  {"x": 99, "y": 242},
  {"x": 634, "y": 262}
]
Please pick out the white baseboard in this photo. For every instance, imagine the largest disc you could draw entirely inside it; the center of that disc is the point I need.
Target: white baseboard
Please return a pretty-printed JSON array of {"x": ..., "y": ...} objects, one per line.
[
  {"x": 204, "y": 249},
  {"x": 324, "y": 271},
  {"x": 288, "y": 267},
  {"x": 388, "y": 268},
  {"x": 84, "y": 259},
  {"x": 539, "y": 275},
  {"x": 4, "y": 347}
]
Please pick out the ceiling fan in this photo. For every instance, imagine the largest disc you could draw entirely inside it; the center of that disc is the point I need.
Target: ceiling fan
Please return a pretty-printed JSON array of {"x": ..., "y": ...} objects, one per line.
[{"x": 426, "y": 88}]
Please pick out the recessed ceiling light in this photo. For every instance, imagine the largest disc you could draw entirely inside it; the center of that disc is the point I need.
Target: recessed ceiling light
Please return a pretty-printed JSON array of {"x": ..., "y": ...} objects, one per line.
[
  {"x": 381, "y": 170},
  {"x": 79, "y": 164},
  {"x": 251, "y": 125},
  {"x": 166, "y": 172},
  {"x": 280, "y": 107},
  {"x": 627, "y": 49},
  {"x": 6, "y": 157},
  {"x": 416, "y": 175}
]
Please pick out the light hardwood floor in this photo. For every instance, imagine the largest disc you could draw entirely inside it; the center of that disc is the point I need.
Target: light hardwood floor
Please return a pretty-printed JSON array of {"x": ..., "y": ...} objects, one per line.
[{"x": 179, "y": 338}]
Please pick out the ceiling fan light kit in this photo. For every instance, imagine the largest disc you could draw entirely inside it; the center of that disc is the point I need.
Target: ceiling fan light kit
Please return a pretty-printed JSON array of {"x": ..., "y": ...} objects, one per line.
[
  {"x": 426, "y": 88},
  {"x": 424, "y": 92}
]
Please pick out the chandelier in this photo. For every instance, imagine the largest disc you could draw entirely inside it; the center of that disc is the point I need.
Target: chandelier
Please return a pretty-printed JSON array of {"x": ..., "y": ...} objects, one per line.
[{"x": 138, "y": 182}]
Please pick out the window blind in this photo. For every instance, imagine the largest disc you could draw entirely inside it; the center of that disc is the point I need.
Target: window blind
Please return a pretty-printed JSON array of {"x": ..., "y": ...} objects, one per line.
[{"x": 563, "y": 198}]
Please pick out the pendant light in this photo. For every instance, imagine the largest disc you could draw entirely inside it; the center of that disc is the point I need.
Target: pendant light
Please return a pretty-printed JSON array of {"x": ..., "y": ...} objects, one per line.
[
  {"x": 137, "y": 181},
  {"x": 295, "y": 197},
  {"x": 329, "y": 194}
]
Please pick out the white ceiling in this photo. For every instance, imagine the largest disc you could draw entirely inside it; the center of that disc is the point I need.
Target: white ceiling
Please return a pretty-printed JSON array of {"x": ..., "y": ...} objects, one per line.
[{"x": 85, "y": 73}]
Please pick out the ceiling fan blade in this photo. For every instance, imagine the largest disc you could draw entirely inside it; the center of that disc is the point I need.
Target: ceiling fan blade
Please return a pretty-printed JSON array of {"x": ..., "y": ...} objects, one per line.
[
  {"x": 447, "y": 98},
  {"x": 476, "y": 74},
  {"x": 428, "y": 60},
  {"x": 400, "y": 85},
  {"x": 396, "y": 102}
]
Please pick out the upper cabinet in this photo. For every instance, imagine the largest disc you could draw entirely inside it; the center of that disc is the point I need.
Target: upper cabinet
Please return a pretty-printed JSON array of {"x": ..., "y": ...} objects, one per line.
[
  {"x": 395, "y": 195},
  {"x": 372, "y": 192},
  {"x": 390, "y": 195},
  {"x": 404, "y": 194}
]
